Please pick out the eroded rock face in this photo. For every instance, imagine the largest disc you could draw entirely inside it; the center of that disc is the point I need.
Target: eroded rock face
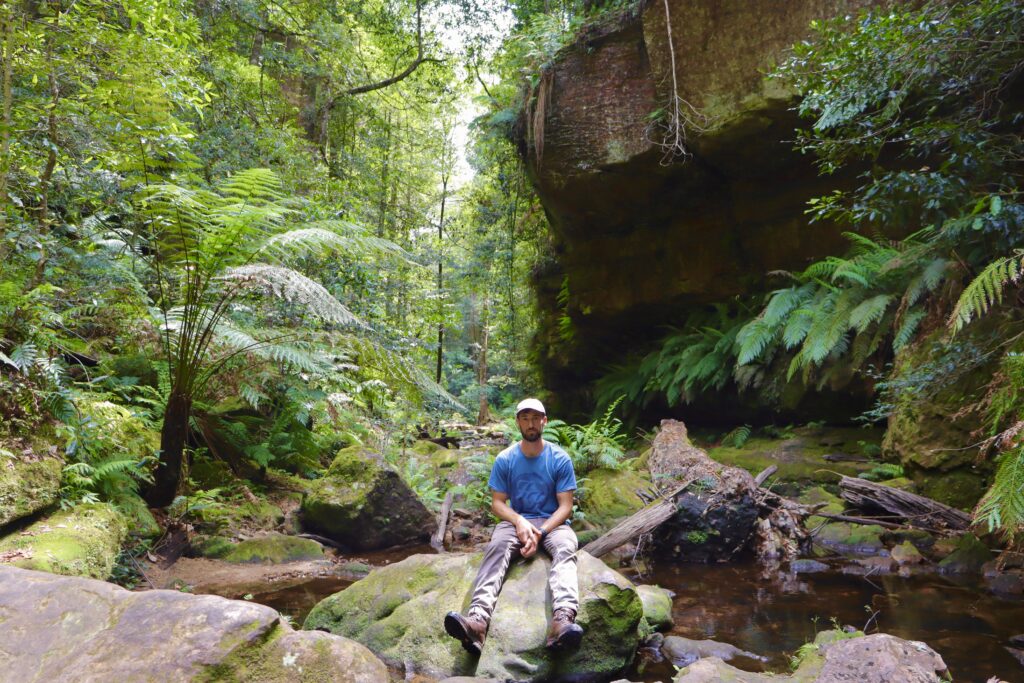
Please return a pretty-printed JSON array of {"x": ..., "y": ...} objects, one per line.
[
  {"x": 62, "y": 629},
  {"x": 643, "y": 237},
  {"x": 363, "y": 504},
  {"x": 397, "y": 612}
]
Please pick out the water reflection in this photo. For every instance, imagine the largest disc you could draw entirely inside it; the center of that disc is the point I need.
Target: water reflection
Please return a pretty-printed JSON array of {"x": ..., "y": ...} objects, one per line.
[{"x": 773, "y": 615}]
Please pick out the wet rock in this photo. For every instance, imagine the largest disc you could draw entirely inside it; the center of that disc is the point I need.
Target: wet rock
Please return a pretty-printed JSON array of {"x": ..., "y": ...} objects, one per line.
[
  {"x": 906, "y": 554},
  {"x": 684, "y": 651},
  {"x": 1008, "y": 584},
  {"x": 611, "y": 496},
  {"x": 1016, "y": 653},
  {"x": 27, "y": 486},
  {"x": 838, "y": 657},
  {"x": 269, "y": 549},
  {"x": 1017, "y": 640},
  {"x": 657, "y": 604},
  {"x": 969, "y": 556},
  {"x": 59, "y": 628},
  {"x": 82, "y": 541},
  {"x": 397, "y": 612},
  {"x": 807, "y": 567},
  {"x": 851, "y": 539},
  {"x": 363, "y": 504}
]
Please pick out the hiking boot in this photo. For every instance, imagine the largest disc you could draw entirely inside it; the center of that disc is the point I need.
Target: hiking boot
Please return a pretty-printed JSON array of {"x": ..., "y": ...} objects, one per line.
[
  {"x": 470, "y": 631},
  {"x": 565, "y": 633}
]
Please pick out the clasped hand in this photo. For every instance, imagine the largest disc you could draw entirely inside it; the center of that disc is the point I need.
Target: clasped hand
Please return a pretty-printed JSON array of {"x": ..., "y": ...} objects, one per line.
[{"x": 529, "y": 536}]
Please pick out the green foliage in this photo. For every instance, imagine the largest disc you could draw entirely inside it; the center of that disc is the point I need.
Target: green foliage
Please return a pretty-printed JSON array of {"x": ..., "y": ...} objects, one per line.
[
  {"x": 737, "y": 437},
  {"x": 986, "y": 290},
  {"x": 882, "y": 471},
  {"x": 417, "y": 475},
  {"x": 1002, "y": 507},
  {"x": 601, "y": 443}
]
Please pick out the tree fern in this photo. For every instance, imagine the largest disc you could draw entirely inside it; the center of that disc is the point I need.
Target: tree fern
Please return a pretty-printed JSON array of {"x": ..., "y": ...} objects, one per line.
[{"x": 986, "y": 290}]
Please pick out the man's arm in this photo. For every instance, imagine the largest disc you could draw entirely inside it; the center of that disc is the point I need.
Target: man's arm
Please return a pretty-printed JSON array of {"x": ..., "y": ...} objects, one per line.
[
  {"x": 528, "y": 534},
  {"x": 563, "y": 512}
]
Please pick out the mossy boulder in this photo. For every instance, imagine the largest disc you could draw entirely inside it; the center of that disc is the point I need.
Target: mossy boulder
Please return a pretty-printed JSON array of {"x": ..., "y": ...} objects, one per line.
[
  {"x": 117, "y": 432},
  {"x": 969, "y": 556},
  {"x": 27, "y": 486},
  {"x": 610, "y": 495},
  {"x": 837, "y": 656},
  {"x": 60, "y": 629},
  {"x": 82, "y": 541},
  {"x": 860, "y": 539},
  {"x": 397, "y": 612},
  {"x": 269, "y": 549},
  {"x": 364, "y": 504},
  {"x": 929, "y": 433},
  {"x": 657, "y": 604}
]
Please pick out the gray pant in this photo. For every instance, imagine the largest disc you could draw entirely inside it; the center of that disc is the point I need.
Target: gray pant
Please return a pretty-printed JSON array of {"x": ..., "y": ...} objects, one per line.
[{"x": 560, "y": 544}]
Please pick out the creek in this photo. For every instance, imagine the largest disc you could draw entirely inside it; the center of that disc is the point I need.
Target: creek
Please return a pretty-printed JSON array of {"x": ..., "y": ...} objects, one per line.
[{"x": 773, "y": 616}]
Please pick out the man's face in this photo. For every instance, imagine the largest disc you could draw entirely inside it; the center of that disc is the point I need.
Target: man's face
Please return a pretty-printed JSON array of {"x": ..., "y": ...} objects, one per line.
[{"x": 531, "y": 424}]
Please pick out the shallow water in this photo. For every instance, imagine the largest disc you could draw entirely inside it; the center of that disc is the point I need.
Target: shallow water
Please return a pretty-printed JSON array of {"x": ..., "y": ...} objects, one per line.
[{"x": 774, "y": 616}]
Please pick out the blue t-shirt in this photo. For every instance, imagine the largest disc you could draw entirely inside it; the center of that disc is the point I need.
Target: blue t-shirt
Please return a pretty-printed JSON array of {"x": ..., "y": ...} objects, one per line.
[{"x": 531, "y": 483}]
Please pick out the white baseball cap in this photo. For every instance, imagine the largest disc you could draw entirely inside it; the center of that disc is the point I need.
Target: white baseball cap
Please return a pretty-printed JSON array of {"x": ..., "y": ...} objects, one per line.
[{"x": 531, "y": 404}]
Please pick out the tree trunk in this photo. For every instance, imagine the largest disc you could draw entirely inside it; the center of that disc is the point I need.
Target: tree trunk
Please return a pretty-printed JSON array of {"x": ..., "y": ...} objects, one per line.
[
  {"x": 483, "y": 415},
  {"x": 172, "y": 450}
]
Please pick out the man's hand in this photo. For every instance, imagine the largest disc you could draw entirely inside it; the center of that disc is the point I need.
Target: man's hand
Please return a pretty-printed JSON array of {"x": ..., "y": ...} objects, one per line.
[{"x": 529, "y": 536}]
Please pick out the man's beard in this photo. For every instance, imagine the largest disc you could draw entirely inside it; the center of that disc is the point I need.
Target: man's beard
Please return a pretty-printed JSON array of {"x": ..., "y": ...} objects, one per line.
[{"x": 530, "y": 435}]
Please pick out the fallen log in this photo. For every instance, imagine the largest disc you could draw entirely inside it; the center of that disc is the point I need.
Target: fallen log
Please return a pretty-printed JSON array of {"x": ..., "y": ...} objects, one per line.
[
  {"x": 917, "y": 510},
  {"x": 637, "y": 524},
  {"x": 437, "y": 540}
]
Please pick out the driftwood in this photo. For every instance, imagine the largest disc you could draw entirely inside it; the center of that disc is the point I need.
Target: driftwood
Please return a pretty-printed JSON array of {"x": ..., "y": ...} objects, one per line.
[
  {"x": 437, "y": 540},
  {"x": 637, "y": 524},
  {"x": 861, "y": 520},
  {"x": 917, "y": 510}
]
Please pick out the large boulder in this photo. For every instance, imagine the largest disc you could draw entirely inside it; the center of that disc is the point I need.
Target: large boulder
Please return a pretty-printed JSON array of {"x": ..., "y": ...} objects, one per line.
[
  {"x": 397, "y": 612},
  {"x": 27, "y": 485},
  {"x": 836, "y": 657},
  {"x": 62, "y": 629},
  {"x": 363, "y": 504},
  {"x": 82, "y": 541},
  {"x": 268, "y": 549}
]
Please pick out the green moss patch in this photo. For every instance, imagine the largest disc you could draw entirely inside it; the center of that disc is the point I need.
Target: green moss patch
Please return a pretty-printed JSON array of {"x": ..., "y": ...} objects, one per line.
[
  {"x": 83, "y": 541},
  {"x": 270, "y": 549},
  {"x": 610, "y": 495},
  {"x": 27, "y": 486}
]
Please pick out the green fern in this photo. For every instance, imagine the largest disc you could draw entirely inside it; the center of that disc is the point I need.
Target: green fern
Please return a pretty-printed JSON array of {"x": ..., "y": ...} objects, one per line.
[
  {"x": 986, "y": 290},
  {"x": 737, "y": 437},
  {"x": 1002, "y": 507}
]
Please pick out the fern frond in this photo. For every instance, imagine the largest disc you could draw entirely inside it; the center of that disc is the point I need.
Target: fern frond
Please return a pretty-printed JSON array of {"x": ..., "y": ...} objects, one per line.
[
  {"x": 253, "y": 185},
  {"x": 295, "y": 287},
  {"x": 332, "y": 237},
  {"x": 869, "y": 311},
  {"x": 908, "y": 327},
  {"x": 1002, "y": 507},
  {"x": 753, "y": 339},
  {"x": 797, "y": 327},
  {"x": 986, "y": 290}
]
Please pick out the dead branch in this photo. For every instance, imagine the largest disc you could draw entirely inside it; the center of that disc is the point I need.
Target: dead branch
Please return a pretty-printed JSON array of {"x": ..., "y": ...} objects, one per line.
[{"x": 437, "y": 540}]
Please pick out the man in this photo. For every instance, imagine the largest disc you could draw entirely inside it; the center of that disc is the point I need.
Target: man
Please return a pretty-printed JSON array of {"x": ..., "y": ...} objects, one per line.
[{"x": 532, "y": 484}]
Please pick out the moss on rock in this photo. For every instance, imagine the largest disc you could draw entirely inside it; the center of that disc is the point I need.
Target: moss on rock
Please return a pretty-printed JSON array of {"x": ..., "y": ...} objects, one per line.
[
  {"x": 270, "y": 549},
  {"x": 27, "y": 486},
  {"x": 82, "y": 541},
  {"x": 657, "y": 604},
  {"x": 610, "y": 495},
  {"x": 386, "y": 611}
]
